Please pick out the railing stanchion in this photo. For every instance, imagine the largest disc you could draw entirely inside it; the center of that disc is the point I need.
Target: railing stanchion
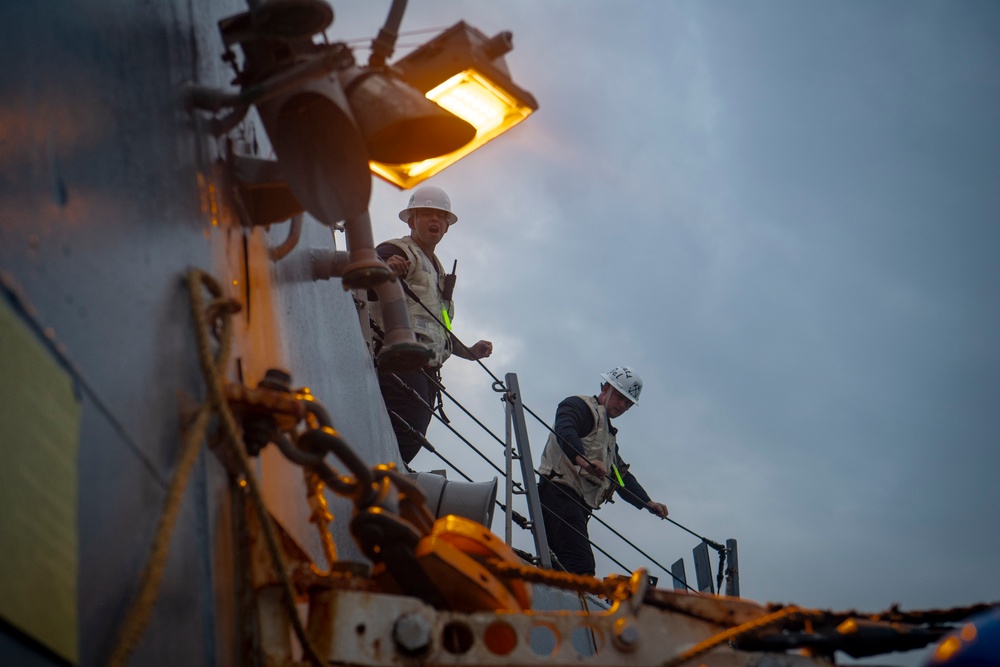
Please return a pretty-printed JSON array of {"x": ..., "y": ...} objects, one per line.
[
  {"x": 509, "y": 497},
  {"x": 528, "y": 471}
]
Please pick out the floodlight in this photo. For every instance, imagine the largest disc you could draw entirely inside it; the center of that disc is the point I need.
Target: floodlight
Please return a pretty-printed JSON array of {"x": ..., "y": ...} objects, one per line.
[
  {"x": 326, "y": 117},
  {"x": 397, "y": 122},
  {"x": 463, "y": 72},
  {"x": 331, "y": 122}
]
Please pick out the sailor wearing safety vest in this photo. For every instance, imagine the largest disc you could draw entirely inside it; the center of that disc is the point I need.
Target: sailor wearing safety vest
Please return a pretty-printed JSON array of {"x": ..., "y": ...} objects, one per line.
[
  {"x": 431, "y": 309},
  {"x": 581, "y": 468}
]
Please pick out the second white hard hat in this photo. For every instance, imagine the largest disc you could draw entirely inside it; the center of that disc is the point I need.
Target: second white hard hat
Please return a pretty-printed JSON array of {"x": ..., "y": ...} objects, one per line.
[
  {"x": 428, "y": 196},
  {"x": 626, "y": 381}
]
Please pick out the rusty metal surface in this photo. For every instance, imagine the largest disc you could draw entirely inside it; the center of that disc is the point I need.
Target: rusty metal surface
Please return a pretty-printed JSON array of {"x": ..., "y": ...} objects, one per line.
[
  {"x": 375, "y": 630},
  {"x": 286, "y": 408},
  {"x": 720, "y": 610}
]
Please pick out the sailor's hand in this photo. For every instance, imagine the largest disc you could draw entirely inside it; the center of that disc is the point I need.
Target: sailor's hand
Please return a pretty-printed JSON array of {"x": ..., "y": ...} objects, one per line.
[
  {"x": 598, "y": 470},
  {"x": 659, "y": 509},
  {"x": 595, "y": 468},
  {"x": 399, "y": 265},
  {"x": 483, "y": 348}
]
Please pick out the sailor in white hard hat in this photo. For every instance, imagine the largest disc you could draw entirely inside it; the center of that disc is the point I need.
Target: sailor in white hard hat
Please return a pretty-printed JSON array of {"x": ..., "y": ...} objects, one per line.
[
  {"x": 431, "y": 309},
  {"x": 581, "y": 468}
]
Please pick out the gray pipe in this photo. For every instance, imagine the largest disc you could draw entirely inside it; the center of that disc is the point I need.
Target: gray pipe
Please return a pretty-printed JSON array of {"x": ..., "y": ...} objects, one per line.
[{"x": 365, "y": 268}]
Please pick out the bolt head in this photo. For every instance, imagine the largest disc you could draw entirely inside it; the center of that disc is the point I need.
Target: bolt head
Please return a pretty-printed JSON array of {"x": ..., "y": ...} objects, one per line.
[
  {"x": 626, "y": 635},
  {"x": 412, "y": 633}
]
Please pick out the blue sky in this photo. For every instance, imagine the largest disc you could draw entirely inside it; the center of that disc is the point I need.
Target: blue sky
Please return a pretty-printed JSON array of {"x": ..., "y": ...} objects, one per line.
[{"x": 785, "y": 216}]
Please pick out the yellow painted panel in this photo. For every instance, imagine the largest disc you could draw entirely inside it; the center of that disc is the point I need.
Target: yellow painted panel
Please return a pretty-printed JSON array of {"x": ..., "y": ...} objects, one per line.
[{"x": 39, "y": 433}]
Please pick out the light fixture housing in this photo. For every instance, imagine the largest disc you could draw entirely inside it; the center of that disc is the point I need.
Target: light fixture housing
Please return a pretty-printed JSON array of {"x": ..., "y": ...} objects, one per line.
[
  {"x": 397, "y": 122},
  {"x": 463, "y": 71}
]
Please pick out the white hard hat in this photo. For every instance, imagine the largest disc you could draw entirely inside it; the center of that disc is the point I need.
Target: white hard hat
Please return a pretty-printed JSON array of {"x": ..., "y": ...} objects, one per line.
[
  {"x": 428, "y": 196},
  {"x": 626, "y": 381}
]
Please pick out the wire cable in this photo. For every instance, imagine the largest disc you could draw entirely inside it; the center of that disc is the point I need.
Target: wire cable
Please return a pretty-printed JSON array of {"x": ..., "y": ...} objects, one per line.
[
  {"x": 715, "y": 545},
  {"x": 520, "y": 520},
  {"x": 568, "y": 493},
  {"x": 524, "y": 523},
  {"x": 416, "y": 299},
  {"x": 598, "y": 519},
  {"x": 471, "y": 416},
  {"x": 620, "y": 488},
  {"x": 532, "y": 413},
  {"x": 424, "y": 442},
  {"x": 451, "y": 428},
  {"x": 365, "y": 42}
]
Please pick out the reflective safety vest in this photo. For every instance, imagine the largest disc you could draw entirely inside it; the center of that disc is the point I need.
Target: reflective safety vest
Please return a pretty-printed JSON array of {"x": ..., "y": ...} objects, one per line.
[
  {"x": 598, "y": 445},
  {"x": 425, "y": 278}
]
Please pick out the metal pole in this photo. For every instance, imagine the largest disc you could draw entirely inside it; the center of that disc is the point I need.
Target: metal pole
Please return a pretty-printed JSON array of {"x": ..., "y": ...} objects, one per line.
[
  {"x": 733, "y": 570},
  {"x": 528, "y": 471},
  {"x": 509, "y": 494}
]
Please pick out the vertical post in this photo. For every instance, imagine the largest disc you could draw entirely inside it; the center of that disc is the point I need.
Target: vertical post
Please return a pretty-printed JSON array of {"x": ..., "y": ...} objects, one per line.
[
  {"x": 732, "y": 570},
  {"x": 509, "y": 490},
  {"x": 679, "y": 576},
  {"x": 703, "y": 569},
  {"x": 528, "y": 471}
]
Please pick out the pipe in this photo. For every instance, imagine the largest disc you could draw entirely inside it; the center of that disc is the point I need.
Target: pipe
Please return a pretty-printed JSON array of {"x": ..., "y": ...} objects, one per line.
[
  {"x": 365, "y": 268},
  {"x": 400, "y": 349},
  {"x": 294, "y": 232},
  {"x": 385, "y": 43},
  {"x": 395, "y": 316},
  {"x": 327, "y": 264}
]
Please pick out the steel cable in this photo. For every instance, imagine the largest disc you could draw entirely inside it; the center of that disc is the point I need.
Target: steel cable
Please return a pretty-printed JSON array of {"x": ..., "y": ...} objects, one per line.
[
  {"x": 426, "y": 444},
  {"x": 503, "y": 473},
  {"x": 499, "y": 383},
  {"x": 567, "y": 492},
  {"x": 430, "y": 447},
  {"x": 406, "y": 288},
  {"x": 558, "y": 486},
  {"x": 451, "y": 428},
  {"x": 461, "y": 407},
  {"x": 715, "y": 545}
]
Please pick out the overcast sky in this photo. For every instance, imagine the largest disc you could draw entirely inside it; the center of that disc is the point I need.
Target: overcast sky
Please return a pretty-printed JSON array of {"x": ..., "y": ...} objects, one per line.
[{"x": 786, "y": 217}]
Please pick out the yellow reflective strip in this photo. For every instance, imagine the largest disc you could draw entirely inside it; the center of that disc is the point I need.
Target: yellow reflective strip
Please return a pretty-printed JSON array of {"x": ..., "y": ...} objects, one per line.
[
  {"x": 617, "y": 474},
  {"x": 447, "y": 320}
]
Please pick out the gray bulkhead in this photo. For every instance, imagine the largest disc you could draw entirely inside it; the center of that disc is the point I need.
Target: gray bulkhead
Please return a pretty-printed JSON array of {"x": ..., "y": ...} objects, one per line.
[{"x": 106, "y": 200}]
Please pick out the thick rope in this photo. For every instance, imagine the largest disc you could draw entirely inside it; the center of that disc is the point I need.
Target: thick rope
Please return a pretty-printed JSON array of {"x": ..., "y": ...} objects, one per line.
[
  {"x": 732, "y": 633},
  {"x": 152, "y": 576},
  {"x": 216, "y": 387},
  {"x": 219, "y": 310}
]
